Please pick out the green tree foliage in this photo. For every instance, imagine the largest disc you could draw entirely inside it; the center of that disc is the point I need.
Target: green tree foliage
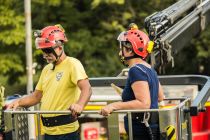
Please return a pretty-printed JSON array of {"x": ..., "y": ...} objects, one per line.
[
  {"x": 11, "y": 22},
  {"x": 92, "y": 27},
  {"x": 11, "y": 39}
]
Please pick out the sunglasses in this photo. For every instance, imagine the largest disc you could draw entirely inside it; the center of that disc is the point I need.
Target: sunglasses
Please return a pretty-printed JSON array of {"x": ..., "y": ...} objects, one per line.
[{"x": 49, "y": 50}]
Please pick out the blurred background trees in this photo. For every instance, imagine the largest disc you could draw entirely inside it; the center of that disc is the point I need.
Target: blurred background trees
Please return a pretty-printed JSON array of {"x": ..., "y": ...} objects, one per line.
[{"x": 92, "y": 27}]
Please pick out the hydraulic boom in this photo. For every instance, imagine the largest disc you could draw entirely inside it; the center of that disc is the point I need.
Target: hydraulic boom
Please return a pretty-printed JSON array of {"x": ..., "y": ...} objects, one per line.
[{"x": 172, "y": 28}]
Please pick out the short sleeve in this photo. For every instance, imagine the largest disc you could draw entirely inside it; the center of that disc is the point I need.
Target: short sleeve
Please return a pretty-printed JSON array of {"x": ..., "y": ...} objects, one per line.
[
  {"x": 78, "y": 72},
  {"x": 39, "y": 84},
  {"x": 137, "y": 74}
]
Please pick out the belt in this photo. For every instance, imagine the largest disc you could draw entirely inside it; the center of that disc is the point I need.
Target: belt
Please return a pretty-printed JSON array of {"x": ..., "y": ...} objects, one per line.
[{"x": 57, "y": 120}]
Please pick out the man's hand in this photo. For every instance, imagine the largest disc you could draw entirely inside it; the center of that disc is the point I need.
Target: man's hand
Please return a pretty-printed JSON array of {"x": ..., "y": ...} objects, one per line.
[
  {"x": 14, "y": 105},
  {"x": 107, "y": 110},
  {"x": 76, "y": 109}
]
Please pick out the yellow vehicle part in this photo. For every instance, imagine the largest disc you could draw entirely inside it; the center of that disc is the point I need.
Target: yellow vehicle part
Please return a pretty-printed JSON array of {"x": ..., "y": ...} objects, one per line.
[
  {"x": 167, "y": 106},
  {"x": 171, "y": 132},
  {"x": 93, "y": 107},
  {"x": 207, "y": 103}
]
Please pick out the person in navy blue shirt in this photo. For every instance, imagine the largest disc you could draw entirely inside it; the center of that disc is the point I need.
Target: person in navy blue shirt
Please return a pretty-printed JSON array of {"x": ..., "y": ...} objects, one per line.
[{"x": 143, "y": 89}]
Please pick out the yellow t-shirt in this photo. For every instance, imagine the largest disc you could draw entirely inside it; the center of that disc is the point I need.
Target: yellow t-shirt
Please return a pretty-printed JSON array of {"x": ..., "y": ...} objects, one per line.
[{"x": 60, "y": 90}]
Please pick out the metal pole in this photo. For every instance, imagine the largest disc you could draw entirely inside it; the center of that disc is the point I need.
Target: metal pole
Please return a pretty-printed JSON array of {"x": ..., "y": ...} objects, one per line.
[
  {"x": 29, "y": 68},
  {"x": 38, "y": 127},
  {"x": 130, "y": 126},
  {"x": 179, "y": 132}
]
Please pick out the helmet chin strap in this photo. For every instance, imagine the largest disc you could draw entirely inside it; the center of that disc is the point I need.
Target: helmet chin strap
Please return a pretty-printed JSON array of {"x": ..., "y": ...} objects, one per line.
[
  {"x": 57, "y": 58},
  {"x": 131, "y": 57},
  {"x": 123, "y": 58}
]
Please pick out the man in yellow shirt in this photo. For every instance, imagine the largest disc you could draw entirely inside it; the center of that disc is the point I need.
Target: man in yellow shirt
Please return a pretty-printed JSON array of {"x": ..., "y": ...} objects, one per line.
[{"x": 63, "y": 85}]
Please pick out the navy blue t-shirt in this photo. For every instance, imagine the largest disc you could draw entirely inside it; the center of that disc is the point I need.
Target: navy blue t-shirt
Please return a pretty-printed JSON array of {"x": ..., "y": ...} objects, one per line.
[{"x": 140, "y": 72}]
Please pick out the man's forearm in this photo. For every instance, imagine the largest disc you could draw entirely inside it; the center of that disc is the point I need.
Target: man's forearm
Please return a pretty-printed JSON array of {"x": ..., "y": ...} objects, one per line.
[{"x": 28, "y": 101}]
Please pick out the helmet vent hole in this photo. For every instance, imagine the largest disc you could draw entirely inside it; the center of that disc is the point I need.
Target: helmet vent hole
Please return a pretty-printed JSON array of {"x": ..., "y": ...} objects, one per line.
[
  {"x": 142, "y": 42},
  {"x": 140, "y": 49},
  {"x": 132, "y": 32},
  {"x": 47, "y": 40},
  {"x": 135, "y": 33},
  {"x": 140, "y": 38}
]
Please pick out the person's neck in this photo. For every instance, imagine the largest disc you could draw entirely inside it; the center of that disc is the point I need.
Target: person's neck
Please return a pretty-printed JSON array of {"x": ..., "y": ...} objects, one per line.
[
  {"x": 63, "y": 56},
  {"x": 135, "y": 61}
]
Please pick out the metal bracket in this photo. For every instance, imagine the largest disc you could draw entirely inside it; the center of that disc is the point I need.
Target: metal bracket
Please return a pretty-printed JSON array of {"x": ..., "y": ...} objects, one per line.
[
  {"x": 167, "y": 48},
  {"x": 203, "y": 22}
]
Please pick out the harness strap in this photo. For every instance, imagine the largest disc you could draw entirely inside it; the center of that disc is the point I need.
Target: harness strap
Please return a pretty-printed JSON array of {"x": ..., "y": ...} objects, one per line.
[{"x": 56, "y": 56}]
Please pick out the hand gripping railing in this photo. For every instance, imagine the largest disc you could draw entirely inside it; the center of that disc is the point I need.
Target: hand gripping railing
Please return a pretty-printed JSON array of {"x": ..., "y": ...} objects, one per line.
[{"x": 179, "y": 108}]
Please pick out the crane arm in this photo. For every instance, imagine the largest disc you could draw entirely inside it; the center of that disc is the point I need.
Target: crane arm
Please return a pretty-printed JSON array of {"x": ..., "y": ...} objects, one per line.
[{"x": 172, "y": 28}]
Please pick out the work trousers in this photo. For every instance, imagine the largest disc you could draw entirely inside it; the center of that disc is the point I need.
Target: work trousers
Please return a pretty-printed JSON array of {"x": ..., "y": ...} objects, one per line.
[{"x": 69, "y": 136}]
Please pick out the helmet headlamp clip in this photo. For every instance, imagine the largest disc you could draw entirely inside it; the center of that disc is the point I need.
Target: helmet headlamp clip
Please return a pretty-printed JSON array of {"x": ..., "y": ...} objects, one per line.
[{"x": 37, "y": 33}]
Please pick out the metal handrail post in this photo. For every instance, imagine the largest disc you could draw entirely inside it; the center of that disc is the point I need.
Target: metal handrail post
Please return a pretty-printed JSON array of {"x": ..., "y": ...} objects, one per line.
[
  {"x": 179, "y": 124},
  {"x": 189, "y": 124},
  {"x": 38, "y": 127},
  {"x": 130, "y": 127},
  {"x": 113, "y": 126}
]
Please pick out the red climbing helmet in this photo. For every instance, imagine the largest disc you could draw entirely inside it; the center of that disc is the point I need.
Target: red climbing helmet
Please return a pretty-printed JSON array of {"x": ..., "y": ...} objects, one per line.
[
  {"x": 50, "y": 36},
  {"x": 139, "y": 40}
]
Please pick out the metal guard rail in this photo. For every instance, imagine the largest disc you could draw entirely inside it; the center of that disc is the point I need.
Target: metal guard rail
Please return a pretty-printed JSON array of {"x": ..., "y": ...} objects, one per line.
[{"x": 183, "y": 101}]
